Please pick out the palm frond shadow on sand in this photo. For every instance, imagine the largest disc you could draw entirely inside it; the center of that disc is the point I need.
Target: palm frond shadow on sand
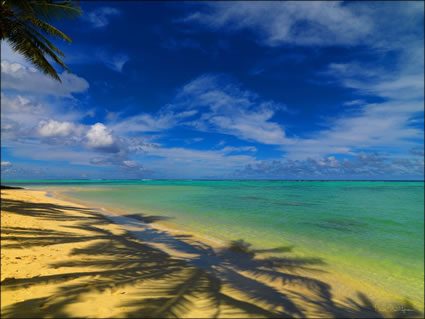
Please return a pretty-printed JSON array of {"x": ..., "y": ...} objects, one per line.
[{"x": 232, "y": 281}]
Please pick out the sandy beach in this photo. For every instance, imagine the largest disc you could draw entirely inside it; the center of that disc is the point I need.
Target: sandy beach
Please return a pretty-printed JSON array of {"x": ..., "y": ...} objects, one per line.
[{"x": 61, "y": 259}]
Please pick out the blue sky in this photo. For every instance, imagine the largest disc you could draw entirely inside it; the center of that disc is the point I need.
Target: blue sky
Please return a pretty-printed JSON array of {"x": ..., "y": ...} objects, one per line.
[{"x": 233, "y": 90}]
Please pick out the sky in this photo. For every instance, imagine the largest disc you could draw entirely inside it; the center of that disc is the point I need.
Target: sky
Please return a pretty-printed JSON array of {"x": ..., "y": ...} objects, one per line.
[{"x": 223, "y": 90}]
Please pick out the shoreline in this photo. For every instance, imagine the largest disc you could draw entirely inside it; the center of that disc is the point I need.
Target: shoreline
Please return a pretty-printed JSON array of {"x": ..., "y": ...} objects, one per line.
[
  {"x": 162, "y": 225},
  {"x": 344, "y": 283},
  {"x": 201, "y": 253}
]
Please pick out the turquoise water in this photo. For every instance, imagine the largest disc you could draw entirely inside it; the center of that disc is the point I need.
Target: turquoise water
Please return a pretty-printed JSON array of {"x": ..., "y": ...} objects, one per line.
[{"x": 372, "y": 230}]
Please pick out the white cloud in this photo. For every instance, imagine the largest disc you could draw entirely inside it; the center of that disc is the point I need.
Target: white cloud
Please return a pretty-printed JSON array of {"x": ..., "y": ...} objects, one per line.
[
  {"x": 215, "y": 103},
  {"x": 354, "y": 102},
  {"x": 90, "y": 55},
  {"x": 230, "y": 110},
  {"x": 114, "y": 62},
  {"x": 317, "y": 23},
  {"x": 396, "y": 78},
  {"x": 289, "y": 22},
  {"x": 22, "y": 115},
  {"x": 395, "y": 83},
  {"x": 11, "y": 67},
  {"x": 53, "y": 128},
  {"x": 100, "y": 138},
  {"x": 24, "y": 79},
  {"x": 144, "y": 122},
  {"x": 8, "y": 54},
  {"x": 130, "y": 164},
  {"x": 39, "y": 150},
  {"x": 381, "y": 126},
  {"x": 100, "y": 17}
]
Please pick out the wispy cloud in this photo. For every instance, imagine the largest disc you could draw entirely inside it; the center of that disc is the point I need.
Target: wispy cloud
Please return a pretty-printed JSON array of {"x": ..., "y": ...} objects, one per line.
[
  {"x": 112, "y": 60},
  {"x": 380, "y": 138},
  {"x": 229, "y": 109},
  {"x": 398, "y": 83},
  {"x": 354, "y": 102},
  {"x": 145, "y": 122},
  {"x": 22, "y": 116},
  {"x": 100, "y": 17},
  {"x": 382, "y": 126},
  {"x": 115, "y": 62},
  {"x": 318, "y": 23},
  {"x": 194, "y": 163},
  {"x": 293, "y": 22}
]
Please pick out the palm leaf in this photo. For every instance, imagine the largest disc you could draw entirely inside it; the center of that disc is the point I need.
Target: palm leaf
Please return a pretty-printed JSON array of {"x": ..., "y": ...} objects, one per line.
[
  {"x": 23, "y": 24},
  {"x": 49, "y": 29},
  {"x": 54, "y": 11}
]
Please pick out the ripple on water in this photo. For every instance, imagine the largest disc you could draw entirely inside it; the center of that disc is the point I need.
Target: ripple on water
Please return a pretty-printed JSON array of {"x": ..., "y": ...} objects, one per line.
[{"x": 343, "y": 225}]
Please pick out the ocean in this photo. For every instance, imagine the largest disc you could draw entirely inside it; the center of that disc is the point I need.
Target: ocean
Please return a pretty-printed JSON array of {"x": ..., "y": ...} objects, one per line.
[{"x": 370, "y": 231}]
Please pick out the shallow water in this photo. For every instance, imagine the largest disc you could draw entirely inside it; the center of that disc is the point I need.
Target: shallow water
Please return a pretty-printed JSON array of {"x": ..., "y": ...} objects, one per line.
[{"x": 373, "y": 231}]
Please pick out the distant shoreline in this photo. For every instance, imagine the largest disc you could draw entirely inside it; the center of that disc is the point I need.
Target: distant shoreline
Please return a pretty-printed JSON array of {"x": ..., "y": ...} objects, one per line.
[
  {"x": 9, "y": 187},
  {"x": 26, "y": 181}
]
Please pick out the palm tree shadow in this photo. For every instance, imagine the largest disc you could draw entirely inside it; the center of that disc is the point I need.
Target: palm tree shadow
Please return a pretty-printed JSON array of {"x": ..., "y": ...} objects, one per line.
[{"x": 216, "y": 282}]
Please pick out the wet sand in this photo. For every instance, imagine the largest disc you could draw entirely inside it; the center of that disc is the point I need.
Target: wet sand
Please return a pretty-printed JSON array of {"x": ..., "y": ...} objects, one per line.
[{"x": 61, "y": 259}]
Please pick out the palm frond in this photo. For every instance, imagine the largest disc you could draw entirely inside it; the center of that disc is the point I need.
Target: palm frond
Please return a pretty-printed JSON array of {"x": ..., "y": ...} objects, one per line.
[
  {"x": 50, "y": 30},
  {"x": 55, "y": 11},
  {"x": 23, "y": 24},
  {"x": 32, "y": 54}
]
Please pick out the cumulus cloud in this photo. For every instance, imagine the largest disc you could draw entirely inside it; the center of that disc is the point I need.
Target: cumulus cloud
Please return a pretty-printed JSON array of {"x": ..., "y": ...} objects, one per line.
[
  {"x": 122, "y": 157},
  {"x": 217, "y": 103},
  {"x": 100, "y": 17},
  {"x": 55, "y": 128},
  {"x": 18, "y": 77},
  {"x": 44, "y": 132},
  {"x": 23, "y": 115},
  {"x": 100, "y": 138},
  {"x": 81, "y": 145}
]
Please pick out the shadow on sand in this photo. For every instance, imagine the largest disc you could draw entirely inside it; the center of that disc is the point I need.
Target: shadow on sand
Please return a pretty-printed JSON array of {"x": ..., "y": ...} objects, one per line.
[{"x": 233, "y": 281}]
